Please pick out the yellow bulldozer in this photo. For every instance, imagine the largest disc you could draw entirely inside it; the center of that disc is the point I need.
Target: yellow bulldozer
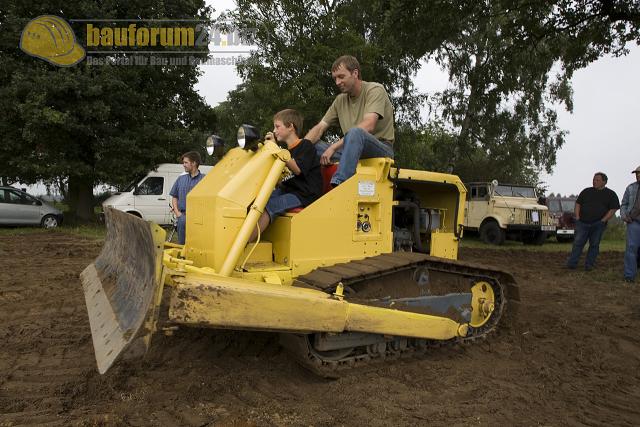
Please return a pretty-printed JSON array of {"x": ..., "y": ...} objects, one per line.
[{"x": 364, "y": 274}]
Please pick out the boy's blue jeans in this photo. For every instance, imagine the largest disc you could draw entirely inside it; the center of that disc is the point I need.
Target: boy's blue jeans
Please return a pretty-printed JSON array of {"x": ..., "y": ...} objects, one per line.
[{"x": 280, "y": 202}]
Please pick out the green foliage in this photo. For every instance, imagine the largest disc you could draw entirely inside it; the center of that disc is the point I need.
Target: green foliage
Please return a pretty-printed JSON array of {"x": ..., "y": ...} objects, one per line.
[
  {"x": 425, "y": 148},
  {"x": 297, "y": 44},
  {"x": 88, "y": 124},
  {"x": 616, "y": 230},
  {"x": 429, "y": 147},
  {"x": 510, "y": 63},
  {"x": 501, "y": 67}
]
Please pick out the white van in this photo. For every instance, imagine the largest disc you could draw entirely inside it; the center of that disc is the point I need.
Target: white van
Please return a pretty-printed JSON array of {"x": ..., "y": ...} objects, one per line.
[{"x": 149, "y": 198}]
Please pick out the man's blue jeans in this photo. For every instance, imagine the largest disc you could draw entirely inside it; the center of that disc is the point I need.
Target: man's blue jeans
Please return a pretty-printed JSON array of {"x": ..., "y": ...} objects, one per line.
[
  {"x": 358, "y": 144},
  {"x": 181, "y": 227},
  {"x": 631, "y": 250},
  {"x": 591, "y": 232}
]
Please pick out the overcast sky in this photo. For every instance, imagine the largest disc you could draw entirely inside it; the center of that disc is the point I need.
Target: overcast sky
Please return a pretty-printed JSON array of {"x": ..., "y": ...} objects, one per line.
[{"x": 603, "y": 131}]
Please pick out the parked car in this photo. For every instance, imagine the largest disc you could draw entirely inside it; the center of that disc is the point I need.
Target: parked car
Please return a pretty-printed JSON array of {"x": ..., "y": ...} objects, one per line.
[
  {"x": 562, "y": 210},
  {"x": 19, "y": 208}
]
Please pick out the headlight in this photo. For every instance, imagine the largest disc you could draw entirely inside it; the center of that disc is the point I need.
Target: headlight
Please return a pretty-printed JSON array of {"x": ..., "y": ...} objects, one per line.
[
  {"x": 214, "y": 144},
  {"x": 248, "y": 137}
]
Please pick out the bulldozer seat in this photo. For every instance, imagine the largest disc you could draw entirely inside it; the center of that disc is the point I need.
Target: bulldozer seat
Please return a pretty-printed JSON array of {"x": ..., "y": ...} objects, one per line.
[{"x": 327, "y": 173}]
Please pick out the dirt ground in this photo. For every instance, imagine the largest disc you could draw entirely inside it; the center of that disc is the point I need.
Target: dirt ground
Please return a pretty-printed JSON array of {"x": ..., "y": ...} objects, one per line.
[{"x": 573, "y": 358}]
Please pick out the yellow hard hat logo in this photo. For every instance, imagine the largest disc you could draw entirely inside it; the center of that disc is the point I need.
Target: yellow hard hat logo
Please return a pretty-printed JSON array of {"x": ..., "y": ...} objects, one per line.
[{"x": 51, "y": 38}]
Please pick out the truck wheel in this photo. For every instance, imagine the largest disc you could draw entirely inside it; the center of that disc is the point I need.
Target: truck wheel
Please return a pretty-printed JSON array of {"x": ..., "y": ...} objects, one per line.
[{"x": 490, "y": 232}]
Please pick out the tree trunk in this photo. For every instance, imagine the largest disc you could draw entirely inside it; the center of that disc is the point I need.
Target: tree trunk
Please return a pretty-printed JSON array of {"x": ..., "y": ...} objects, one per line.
[
  {"x": 62, "y": 187},
  {"x": 464, "y": 140},
  {"x": 80, "y": 193}
]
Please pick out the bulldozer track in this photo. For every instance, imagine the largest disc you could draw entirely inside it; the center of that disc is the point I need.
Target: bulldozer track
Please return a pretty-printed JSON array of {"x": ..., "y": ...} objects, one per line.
[{"x": 354, "y": 273}]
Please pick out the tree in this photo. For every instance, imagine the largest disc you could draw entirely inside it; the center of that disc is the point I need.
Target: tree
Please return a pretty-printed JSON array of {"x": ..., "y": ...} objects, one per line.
[
  {"x": 297, "y": 43},
  {"x": 92, "y": 124},
  {"x": 510, "y": 63},
  {"x": 504, "y": 94},
  {"x": 429, "y": 147},
  {"x": 501, "y": 57}
]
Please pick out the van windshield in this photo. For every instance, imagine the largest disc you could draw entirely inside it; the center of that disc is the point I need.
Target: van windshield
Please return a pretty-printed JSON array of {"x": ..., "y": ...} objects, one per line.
[{"x": 132, "y": 186}]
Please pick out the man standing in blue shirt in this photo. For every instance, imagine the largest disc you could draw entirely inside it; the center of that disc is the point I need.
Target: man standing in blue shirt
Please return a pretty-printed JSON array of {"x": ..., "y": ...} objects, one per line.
[{"x": 182, "y": 186}]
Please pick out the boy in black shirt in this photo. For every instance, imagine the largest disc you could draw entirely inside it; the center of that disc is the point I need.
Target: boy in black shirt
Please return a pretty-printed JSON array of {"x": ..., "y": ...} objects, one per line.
[{"x": 304, "y": 185}]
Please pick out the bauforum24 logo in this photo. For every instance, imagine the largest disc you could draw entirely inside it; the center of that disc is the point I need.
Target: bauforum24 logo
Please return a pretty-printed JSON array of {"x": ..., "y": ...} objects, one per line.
[{"x": 51, "y": 38}]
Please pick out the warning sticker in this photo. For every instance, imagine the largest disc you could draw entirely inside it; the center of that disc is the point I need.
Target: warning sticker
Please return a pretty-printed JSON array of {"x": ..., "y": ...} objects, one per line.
[{"x": 366, "y": 188}]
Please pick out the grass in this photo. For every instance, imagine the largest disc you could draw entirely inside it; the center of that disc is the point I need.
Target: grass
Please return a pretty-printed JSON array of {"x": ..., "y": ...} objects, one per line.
[
  {"x": 551, "y": 245},
  {"x": 612, "y": 240},
  {"x": 616, "y": 230},
  {"x": 91, "y": 231},
  {"x": 21, "y": 231},
  {"x": 97, "y": 231}
]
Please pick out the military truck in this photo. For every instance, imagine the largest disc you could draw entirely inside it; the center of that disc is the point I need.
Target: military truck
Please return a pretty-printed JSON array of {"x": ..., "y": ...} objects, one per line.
[{"x": 500, "y": 211}]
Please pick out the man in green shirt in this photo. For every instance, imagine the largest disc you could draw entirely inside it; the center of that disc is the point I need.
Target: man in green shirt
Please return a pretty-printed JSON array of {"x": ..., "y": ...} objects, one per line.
[{"x": 365, "y": 115}]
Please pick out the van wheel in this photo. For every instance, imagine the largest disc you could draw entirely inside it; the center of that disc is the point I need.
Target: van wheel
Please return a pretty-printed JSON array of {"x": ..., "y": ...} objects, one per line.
[
  {"x": 134, "y": 214},
  {"x": 49, "y": 221},
  {"x": 491, "y": 233}
]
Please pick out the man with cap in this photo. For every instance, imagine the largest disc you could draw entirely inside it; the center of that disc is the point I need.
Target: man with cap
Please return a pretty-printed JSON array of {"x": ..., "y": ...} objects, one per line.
[
  {"x": 594, "y": 207},
  {"x": 630, "y": 213}
]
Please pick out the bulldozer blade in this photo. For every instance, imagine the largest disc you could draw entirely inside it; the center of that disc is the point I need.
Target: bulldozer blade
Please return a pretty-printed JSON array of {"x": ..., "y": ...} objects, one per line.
[{"x": 120, "y": 285}]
